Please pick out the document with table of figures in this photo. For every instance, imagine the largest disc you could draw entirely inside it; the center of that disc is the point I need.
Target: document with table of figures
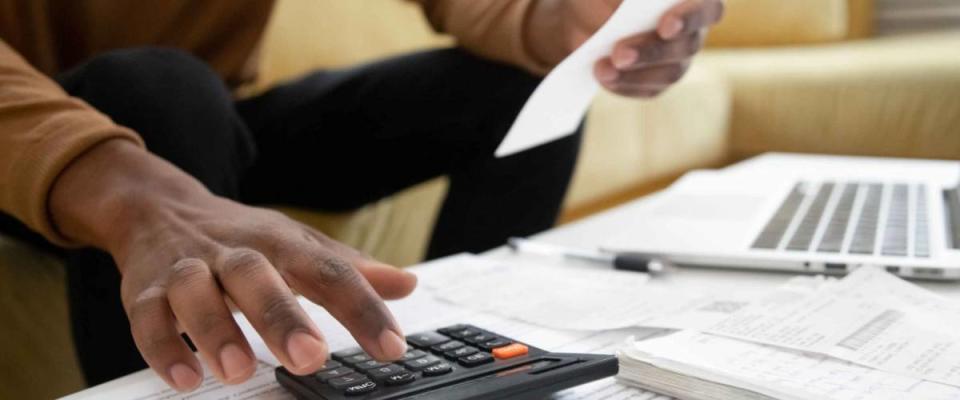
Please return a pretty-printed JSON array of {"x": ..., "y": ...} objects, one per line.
[{"x": 869, "y": 318}]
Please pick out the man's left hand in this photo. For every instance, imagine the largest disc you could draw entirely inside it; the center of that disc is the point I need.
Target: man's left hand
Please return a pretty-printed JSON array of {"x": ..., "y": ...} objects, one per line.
[
  {"x": 646, "y": 64},
  {"x": 642, "y": 65}
]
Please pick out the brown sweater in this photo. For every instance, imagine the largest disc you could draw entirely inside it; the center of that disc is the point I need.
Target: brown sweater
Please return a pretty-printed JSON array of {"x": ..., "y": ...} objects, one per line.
[{"x": 42, "y": 129}]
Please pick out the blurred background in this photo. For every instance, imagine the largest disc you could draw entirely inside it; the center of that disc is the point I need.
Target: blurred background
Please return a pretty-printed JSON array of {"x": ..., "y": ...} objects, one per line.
[{"x": 861, "y": 77}]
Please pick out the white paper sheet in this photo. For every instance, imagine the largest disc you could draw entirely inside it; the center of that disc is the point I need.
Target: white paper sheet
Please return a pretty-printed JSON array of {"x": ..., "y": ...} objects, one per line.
[
  {"x": 145, "y": 385},
  {"x": 779, "y": 373},
  {"x": 558, "y": 105},
  {"x": 419, "y": 312},
  {"x": 586, "y": 298},
  {"x": 866, "y": 318}
]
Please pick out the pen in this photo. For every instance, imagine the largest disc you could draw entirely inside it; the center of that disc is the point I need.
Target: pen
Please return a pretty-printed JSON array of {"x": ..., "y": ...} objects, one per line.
[{"x": 621, "y": 261}]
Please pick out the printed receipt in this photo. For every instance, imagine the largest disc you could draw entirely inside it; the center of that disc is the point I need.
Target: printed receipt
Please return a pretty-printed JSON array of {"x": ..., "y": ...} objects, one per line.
[
  {"x": 870, "y": 318},
  {"x": 558, "y": 105}
]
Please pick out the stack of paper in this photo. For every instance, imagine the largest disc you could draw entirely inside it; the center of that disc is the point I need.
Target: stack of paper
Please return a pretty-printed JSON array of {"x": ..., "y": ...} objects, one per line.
[
  {"x": 868, "y": 336},
  {"x": 691, "y": 365}
]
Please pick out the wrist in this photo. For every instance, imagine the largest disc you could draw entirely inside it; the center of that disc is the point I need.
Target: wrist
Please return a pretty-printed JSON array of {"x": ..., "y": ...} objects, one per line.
[{"x": 102, "y": 197}]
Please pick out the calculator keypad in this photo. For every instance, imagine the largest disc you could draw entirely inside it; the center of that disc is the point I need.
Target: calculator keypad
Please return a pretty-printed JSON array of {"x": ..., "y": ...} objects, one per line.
[{"x": 432, "y": 355}]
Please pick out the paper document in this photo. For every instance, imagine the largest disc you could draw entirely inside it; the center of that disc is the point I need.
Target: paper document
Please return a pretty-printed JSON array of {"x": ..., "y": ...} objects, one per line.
[
  {"x": 866, "y": 318},
  {"x": 557, "y": 106},
  {"x": 419, "y": 312},
  {"x": 146, "y": 385},
  {"x": 587, "y": 298},
  {"x": 777, "y": 373}
]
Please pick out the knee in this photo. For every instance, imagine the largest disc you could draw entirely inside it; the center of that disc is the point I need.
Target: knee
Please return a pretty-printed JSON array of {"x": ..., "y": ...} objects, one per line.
[
  {"x": 507, "y": 84},
  {"x": 175, "y": 102},
  {"x": 132, "y": 84}
]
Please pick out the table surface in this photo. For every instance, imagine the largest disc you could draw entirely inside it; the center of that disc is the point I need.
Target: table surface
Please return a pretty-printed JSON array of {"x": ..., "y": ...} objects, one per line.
[{"x": 591, "y": 232}]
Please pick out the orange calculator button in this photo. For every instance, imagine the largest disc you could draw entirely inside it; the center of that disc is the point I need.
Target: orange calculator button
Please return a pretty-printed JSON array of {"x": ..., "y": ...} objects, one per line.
[{"x": 510, "y": 351}]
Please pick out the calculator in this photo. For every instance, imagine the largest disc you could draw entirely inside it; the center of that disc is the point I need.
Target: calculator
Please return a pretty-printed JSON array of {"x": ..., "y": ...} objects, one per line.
[{"x": 456, "y": 362}]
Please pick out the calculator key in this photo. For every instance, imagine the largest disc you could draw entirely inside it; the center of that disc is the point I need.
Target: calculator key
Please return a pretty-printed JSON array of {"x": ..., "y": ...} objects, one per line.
[
  {"x": 493, "y": 344},
  {"x": 463, "y": 351},
  {"x": 379, "y": 374},
  {"x": 356, "y": 359},
  {"x": 413, "y": 355},
  {"x": 331, "y": 364},
  {"x": 358, "y": 389},
  {"x": 400, "y": 379},
  {"x": 427, "y": 339},
  {"x": 437, "y": 369},
  {"x": 460, "y": 334},
  {"x": 479, "y": 339},
  {"x": 453, "y": 328},
  {"x": 513, "y": 350},
  {"x": 421, "y": 363},
  {"x": 476, "y": 359},
  {"x": 370, "y": 364},
  {"x": 327, "y": 375},
  {"x": 445, "y": 347},
  {"x": 344, "y": 382},
  {"x": 339, "y": 355}
]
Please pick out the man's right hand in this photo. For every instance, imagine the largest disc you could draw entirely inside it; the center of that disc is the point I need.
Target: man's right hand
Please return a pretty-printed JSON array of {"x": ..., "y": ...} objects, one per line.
[{"x": 185, "y": 254}]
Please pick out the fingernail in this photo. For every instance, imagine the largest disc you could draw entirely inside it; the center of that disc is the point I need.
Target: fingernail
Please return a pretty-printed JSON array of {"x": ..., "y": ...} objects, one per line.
[
  {"x": 625, "y": 58},
  {"x": 671, "y": 28},
  {"x": 608, "y": 75},
  {"x": 392, "y": 345},
  {"x": 184, "y": 377},
  {"x": 304, "y": 349},
  {"x": 236, "y": 363}
]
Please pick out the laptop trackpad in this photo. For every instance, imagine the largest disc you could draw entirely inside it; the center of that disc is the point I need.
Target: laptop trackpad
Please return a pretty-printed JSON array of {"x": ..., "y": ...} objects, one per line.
[{"x": 685, "y": 222}]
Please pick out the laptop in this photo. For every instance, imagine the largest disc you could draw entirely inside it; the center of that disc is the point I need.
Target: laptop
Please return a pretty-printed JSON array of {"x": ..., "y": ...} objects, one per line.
[{"x": 817, "y": 214}]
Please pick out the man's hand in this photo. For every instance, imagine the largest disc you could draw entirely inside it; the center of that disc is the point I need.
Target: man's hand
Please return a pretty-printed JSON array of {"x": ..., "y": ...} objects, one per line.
[
  {"x": 184, "y": 253},
  {"x": 642, "y": 65}
]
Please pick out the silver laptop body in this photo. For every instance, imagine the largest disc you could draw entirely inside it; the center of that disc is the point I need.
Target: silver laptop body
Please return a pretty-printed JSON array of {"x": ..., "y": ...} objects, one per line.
[{"x": 816, "y": 214}]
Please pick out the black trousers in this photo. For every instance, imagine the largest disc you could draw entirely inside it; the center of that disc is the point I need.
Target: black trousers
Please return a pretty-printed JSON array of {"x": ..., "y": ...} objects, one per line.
[{"x": 332, "y": 141}]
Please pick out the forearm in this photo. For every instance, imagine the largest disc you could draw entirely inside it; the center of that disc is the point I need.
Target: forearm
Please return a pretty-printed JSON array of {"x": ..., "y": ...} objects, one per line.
[
  {"x": 102, "y": 195},
  {"x": 543, "y": 34}
]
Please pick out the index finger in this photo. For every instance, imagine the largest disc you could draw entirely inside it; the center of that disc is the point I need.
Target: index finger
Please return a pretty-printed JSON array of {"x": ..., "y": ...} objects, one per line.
[{"x": 689, "y": 16}]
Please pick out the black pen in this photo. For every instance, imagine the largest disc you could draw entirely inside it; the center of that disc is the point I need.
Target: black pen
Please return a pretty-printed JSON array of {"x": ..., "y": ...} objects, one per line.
[{"x": 622, "y": 261}]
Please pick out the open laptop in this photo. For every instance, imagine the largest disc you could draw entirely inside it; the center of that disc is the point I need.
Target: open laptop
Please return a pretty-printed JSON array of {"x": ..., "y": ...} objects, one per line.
[{"x": 819, "y": 214}]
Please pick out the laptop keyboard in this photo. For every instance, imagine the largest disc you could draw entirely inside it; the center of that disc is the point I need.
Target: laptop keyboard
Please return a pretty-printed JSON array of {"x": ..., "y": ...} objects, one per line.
[{"x": 861, "y": 218}]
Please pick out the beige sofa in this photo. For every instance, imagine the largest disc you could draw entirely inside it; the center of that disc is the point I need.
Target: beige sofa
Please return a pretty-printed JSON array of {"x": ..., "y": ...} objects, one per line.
[{"x": 780, "y": 75}]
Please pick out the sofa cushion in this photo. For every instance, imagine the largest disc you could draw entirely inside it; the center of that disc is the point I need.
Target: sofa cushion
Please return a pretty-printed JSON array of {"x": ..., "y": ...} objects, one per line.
[
  {"x": 896, "y": 96},
  {"x": 306, "y": 35},
  {"x": 780, "y": 22},
  {"x": 38, "y": 360},
  {"x": 630, "y": 143}
]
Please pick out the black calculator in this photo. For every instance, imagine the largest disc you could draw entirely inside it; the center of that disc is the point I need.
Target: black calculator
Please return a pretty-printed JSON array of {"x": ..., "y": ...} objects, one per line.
[{"x": 456, "y": 362}]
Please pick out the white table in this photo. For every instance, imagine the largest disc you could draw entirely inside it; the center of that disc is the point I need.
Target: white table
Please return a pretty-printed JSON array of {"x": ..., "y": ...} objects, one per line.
[{"x": 590, "y": 232}]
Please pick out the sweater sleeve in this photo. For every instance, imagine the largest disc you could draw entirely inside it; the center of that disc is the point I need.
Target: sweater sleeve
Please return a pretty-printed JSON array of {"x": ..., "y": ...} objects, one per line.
[
  {"x": 42, "y": 130},
  {"x": 494, "y": 29}
]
